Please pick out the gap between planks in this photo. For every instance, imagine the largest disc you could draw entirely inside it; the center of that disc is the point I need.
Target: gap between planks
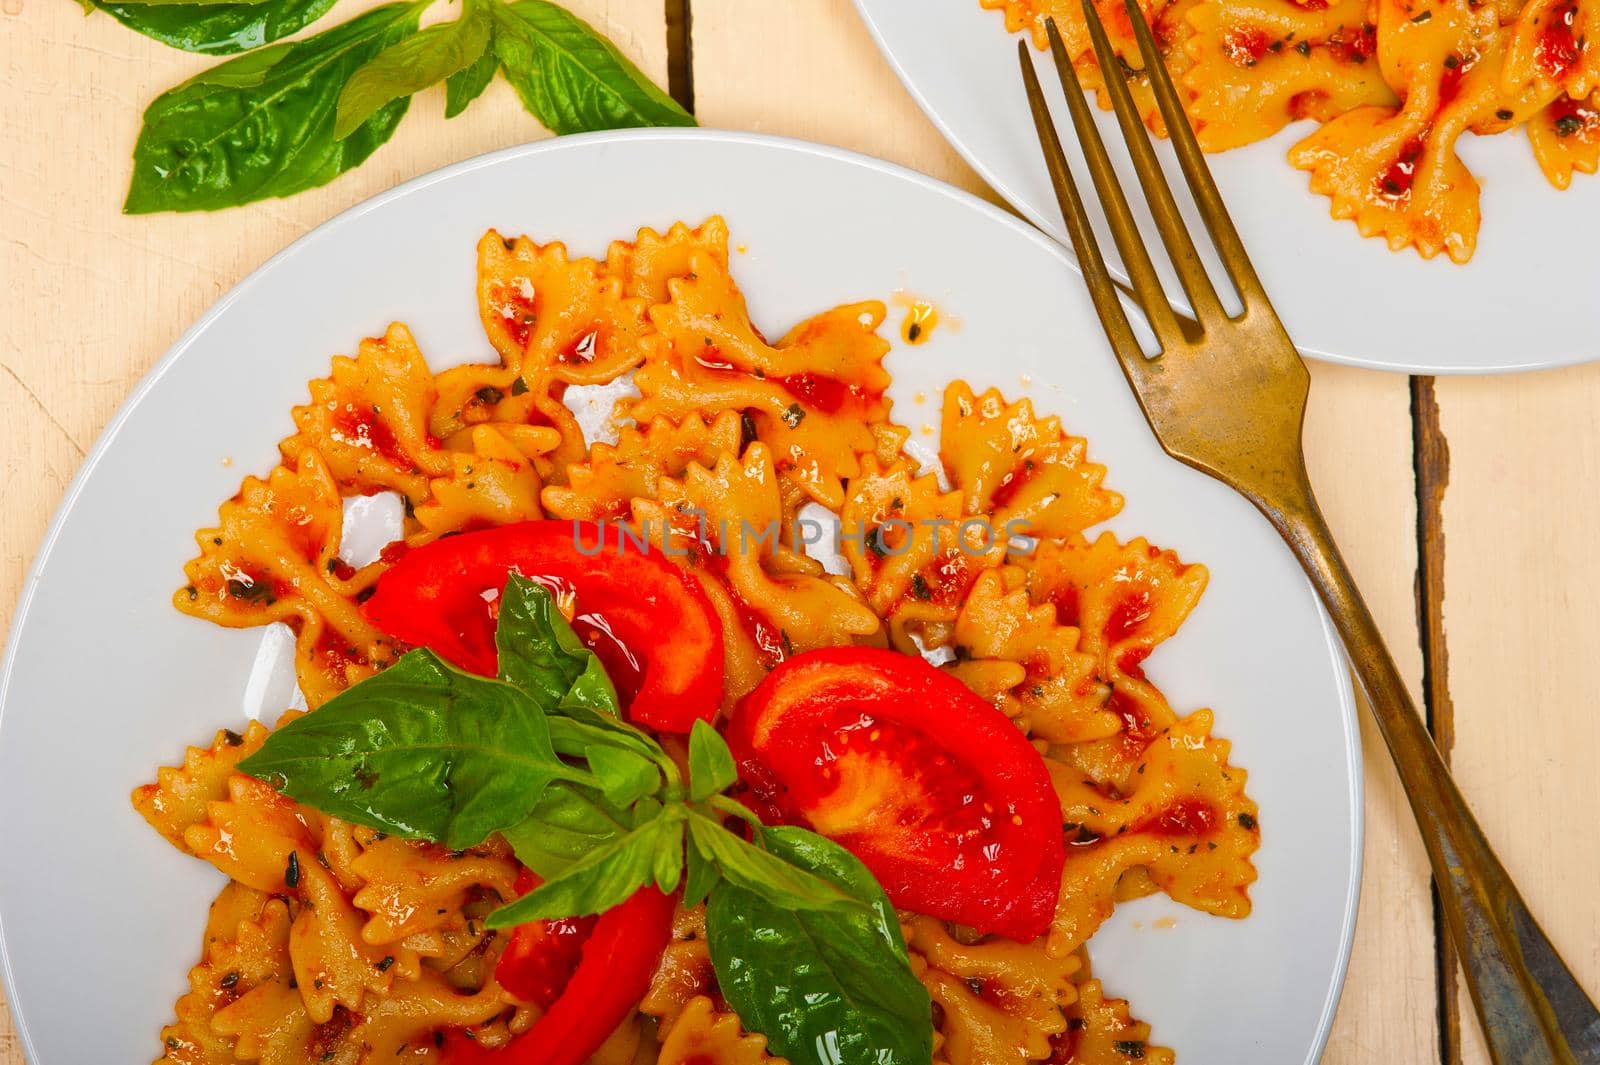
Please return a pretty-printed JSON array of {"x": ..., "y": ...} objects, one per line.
[
  {"x": 680, "y": 53},
  {"x": 1431, "y": 463}
]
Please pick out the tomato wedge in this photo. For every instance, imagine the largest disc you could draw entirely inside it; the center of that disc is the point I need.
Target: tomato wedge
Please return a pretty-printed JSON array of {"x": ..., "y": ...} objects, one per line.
[
  {"x": 649, "y": 621},
  {"x": 541, "y": 957},
  {"x": 934, "y": 789},
  {"x": 614, "y": 971}
]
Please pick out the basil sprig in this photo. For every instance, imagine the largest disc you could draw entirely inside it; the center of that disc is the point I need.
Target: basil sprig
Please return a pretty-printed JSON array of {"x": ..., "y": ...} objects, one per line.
[
  {"x": 805, "y": 944},
  {"x": 261, "y": 125},
  {"x": 293, "y": 116}
]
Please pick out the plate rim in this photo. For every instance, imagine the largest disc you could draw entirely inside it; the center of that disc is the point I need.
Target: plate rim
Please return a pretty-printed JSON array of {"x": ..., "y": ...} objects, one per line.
[
  {"x": 1007, "y": 191},
  {"x": 770, "y": 142}
]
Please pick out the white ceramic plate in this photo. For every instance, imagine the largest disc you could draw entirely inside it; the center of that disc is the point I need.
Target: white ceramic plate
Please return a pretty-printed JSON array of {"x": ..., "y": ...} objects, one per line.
[
  {"x": 1529, "y": 299},
  {"x": 105, "y": 681}
]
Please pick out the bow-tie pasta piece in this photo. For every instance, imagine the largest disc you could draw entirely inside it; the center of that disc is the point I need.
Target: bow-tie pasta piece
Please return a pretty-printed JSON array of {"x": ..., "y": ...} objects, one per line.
[
  {"x": 703, "y": 1034},
  {"x": 368, "y": 419},
  {"x": 333, "y": 965},
  {"x": 1125, "y": 599},
  {"x": 1395, "y": 172},
  {"x": 273, "y": 557},
  {"x": 545, "y": 312},
  {"x": 811, "y": 397},
  {"x": 1566, "y": 138},
  {"x": 1100, "y": 1031},
  {"x": 652, "y": 259},
  {"x": 1053, "y": 693},
  {"x": 241, "y": 1004},
  {"x": 1168, "y": 24},
  {"x": 908, "y": 550},
  {"x": 1026, "y": 473},
  {"x": 1258, "y": 65},
  {"x": 180, "y": 796},
  {"x": 411, "y": 887},
  {"x": 737, "y": 510},
  {"x": 684, "y": 972},
  {"x": 604, "y": 485},
  {"x": 1555, "y": 44},
  {"x": 1000, "y": 1000},
  {"x": 495, "y": 483},
  {"x": 253, "y": 835},
  {"x": 1187, "y": 821}
]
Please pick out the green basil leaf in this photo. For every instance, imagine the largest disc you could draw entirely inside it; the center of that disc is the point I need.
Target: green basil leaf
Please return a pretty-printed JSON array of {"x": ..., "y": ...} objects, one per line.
[
  {"x": 700, "y": 875},
  {"x": 601, "y": 879},
  {"x": 823, "y": 987},
  {"x": 261, "y": 125},
  {"x": 465, "y": 86},
  {"x": 760, "y": 872},
  {"x": 219, "y": 29},
  {"x": 571, "y": 78},
  {"x": 711, "y": 767},
  {"x": 565, "y": 825},
  {"x": 411, "y": 65},
  {"x": 421, "y": 750},
  {"x": 541, "y": 654},
  {"x": 625, "y": 776}
]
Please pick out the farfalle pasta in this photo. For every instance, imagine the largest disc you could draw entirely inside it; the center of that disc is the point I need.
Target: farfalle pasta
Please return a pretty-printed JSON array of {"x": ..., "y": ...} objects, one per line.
[
  {"x": 334, "y": 942},
  {"x": 1392, "y": 83}
]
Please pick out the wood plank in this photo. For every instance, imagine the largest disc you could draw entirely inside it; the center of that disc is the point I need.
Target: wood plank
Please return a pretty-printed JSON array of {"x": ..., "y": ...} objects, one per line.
[
  {"x": 92, "y": 297},
  {"x": 1520, "y": 568},
  {"x": 1358, "y": 437}
]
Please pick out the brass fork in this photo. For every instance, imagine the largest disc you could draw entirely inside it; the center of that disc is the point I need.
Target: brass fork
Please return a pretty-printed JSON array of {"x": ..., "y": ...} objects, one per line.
[{"x": 1227, "y": 395}]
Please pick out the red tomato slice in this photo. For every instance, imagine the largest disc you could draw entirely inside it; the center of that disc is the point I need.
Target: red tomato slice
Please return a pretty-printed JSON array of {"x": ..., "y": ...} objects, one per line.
[
  {"x": 935, "y": 790},
  {"x": 541, "y": 957},
  {"x": 649, "y": 621},
  {"x": 613, "y": 973}
]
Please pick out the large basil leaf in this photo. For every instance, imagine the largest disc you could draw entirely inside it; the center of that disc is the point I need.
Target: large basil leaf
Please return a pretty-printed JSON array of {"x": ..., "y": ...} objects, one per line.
[
  {"x": 422, "y": 750},
  {"x": 607, "y": 875},
  {"x": 570, "y": 77},
  {"x": 565, "y": 825},
  {"x": 219, "y": 29},
  {"x": 823, "y": 987},
  {"x": 411, "y": 65},
  {"x": 261, "y": 125}
]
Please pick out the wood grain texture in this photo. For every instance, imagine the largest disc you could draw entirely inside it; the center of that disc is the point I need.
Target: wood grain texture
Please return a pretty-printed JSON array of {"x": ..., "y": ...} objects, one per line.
[
  {"x": 90, "y": 298},
  {"x": 763, "y": 74},
  {"x": 1520, "y": 614}
]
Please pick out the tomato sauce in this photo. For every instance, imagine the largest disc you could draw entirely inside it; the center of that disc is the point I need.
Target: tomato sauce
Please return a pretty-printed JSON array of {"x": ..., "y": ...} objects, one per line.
[
  {"x": 1396, "y": 180},
  {"x": 581, "y": 349},
  {"x": 364, "y": 429},
  {"x": 1356, "y": 48},
  {"x": 1557, "y": 50},
  {"x": 1244, "y": 45},
  {"x": 1132, "y": 609},
  {"x": 519, "y": 311},
  {"x": 1189, "y": 816}
]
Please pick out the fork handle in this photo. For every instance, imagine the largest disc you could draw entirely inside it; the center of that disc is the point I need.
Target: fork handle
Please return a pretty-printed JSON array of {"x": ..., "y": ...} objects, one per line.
[{"x": 1531, "y": 1008}]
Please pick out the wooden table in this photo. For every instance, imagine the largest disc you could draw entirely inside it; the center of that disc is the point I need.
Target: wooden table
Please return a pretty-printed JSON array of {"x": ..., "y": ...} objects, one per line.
[{"x": 1467, "y": 507}]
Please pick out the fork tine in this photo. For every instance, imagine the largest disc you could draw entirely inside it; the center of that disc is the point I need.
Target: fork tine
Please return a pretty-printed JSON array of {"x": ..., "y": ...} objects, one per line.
[
  {"x": 1163, "y": 208},
  {"x": 1195, "y": 171},
  {"x": 1101, "y": 288},
  {"x": 1112, "y": 200}
]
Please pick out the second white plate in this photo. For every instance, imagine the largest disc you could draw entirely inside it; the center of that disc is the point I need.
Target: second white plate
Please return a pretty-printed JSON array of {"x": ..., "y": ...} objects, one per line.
[{"x": 1529, "y": 299}]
